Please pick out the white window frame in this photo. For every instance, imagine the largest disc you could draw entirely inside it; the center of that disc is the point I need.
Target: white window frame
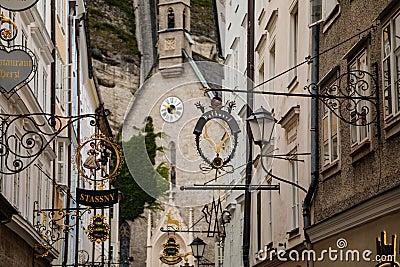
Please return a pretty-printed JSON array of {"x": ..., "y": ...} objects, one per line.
[
  {"x": 330, "y": 135},
  {"x": 391, "y": 95},
  {"x": 294, "y": 41},
  {"x": 62, "y": 160},
  {"x": 359, "y": 134},
  {"x": 295, "y": 203}
]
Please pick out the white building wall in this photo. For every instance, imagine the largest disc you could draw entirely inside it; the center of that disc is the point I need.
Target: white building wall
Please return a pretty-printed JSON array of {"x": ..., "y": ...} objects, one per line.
[{"x": 274, "y": 54}]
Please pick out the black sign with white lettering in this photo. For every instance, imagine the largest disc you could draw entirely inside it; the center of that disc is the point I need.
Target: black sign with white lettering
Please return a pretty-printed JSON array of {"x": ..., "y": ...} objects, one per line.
[
  {"x": 94, "y": 198},
  {"x": 217, "y": 114}
]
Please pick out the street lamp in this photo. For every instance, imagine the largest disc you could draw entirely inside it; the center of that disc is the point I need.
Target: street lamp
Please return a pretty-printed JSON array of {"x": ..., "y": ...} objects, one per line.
[
  {"x": 198, "y": 247},
  {"x": 262, "y": 125}
]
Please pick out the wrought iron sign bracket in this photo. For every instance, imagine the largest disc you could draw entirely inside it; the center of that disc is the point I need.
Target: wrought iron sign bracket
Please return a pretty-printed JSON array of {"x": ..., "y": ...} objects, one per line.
[
  {"x": 19, "y": 151},
  {"x": 52, "y": 224},
  {"x": 353, "y": 97}
]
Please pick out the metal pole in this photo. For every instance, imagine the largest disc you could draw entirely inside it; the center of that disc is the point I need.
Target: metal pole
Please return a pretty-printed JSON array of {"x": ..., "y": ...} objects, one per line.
[{"x": 249, "y": 146}]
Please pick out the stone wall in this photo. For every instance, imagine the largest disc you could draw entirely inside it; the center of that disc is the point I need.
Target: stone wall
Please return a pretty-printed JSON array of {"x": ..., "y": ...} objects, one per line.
[
  {"x": 14, "y": 251},
  {"x": 371, "y": 167}
]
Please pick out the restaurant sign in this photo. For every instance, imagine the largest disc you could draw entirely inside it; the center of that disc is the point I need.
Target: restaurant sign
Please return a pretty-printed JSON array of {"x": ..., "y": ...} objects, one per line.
[
  {"x": 17, "y": 5},
  {"x": 97, "y": 198},
  {"x": 17, "y": 67}
]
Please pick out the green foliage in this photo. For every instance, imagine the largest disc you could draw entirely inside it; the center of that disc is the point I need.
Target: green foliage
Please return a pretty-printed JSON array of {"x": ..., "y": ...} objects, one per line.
[
  {"x": 109, "y": 33},
  {"x": 202, "y": 19},
  {"x": 135, "y": 198}
]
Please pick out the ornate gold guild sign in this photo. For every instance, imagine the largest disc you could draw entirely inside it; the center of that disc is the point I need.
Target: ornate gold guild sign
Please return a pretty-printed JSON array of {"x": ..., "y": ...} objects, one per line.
[
  {"x": 170, "y": 253},
  {"x": 98, "y": 158},
  {"x": 98, "y": 229}
]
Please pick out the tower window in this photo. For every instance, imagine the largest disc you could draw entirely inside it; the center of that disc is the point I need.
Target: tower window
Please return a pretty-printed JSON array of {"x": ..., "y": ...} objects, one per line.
[
  {"x": 171, "y": 18},
  {"x": 184, "y": 18}
]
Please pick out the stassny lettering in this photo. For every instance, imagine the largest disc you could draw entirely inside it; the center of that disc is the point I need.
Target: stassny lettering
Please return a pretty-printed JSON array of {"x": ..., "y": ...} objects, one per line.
[{"x": 96, "y": 199}]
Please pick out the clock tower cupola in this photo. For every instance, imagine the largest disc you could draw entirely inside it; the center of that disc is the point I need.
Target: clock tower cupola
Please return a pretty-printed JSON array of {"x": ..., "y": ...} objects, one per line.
[{"x": 174, "y": 32}]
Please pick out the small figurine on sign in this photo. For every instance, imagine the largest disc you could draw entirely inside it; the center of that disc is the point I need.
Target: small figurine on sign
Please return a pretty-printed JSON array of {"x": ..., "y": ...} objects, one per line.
[
  {"x": 105, "y": 154},
  {"x": 91, "y": 162}
]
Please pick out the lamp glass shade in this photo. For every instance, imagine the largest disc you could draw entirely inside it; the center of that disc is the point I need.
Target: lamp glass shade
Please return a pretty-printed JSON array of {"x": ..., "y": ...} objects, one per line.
[
  {"x": 198, "y": 247},
  {"x": 262, "y": 125}
]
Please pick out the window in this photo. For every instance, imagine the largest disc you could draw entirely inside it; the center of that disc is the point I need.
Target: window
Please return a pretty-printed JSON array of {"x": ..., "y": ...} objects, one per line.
[
  {"x": 391, "y": 66},
  {"x": 44, "y": 11},
  {"x": 184, "y": 18},
  {"x": 28, "y": 192},
  {"x": 261, "y": 74},
  {"x": 272, "y": 65},
  {"x": 269, "y": 214},
  {"x": 44, "y": 102},
  {"x": 171, "y": 18},
  {"x": 294, "y": 40},
  {"x": 36, "y": 79},
  {"x": 294, "y": 177},
  {"x": 39, "y": 184},
  {"x": 61, "y": 159},
  {"x": 359, "y": 133},
  {"x": 172, "y": 148},
  {"x": 24, "y": 42},
  {"x": 259, "y": 223},
  {"x": 330, "y": 133},
  {"x": 17, "y": 176},
  {"x": 60, "y": 85}
]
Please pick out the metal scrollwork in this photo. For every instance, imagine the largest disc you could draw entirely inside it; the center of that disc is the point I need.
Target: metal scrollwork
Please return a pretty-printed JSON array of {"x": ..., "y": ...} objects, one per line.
[
  {"x": 24, "y": 137},
  {"x": 100, "y": 150},
  {"x": 5, "y": 33},
  {"x": 351, "y": 97},
  {"x": 52, "y": 224}
]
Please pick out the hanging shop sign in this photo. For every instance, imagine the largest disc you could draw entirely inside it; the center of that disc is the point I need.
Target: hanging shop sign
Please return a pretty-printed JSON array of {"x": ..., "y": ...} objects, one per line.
[
  {"x": 17, "y": 5},
  {"x": 170, "y": 254},
  {"x": 216, "y": 135},
  {"x": 97, "y": 198},
  {"x": 17, "y": 68},
  {"x": 98, "y": 230},
  {"x": 99, "y": 158}
]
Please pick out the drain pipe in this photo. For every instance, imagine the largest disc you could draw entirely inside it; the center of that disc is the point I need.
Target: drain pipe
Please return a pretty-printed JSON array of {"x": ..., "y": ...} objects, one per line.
[{"x": 315, "y": 29}]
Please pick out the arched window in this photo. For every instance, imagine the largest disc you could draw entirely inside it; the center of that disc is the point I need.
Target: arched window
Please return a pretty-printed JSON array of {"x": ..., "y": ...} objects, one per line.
[
  {"x": 172, "y": 148},
  {"x": 184, "y": 18},
  {"x": 125, "y": 237},
  {"x": 171, "y": 18}
]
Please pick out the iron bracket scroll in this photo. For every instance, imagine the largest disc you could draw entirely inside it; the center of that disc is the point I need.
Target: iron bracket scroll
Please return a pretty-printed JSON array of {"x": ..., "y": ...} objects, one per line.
[
  {"x": 19, "y": 149},
  {"x": 352, "y": 97},
  {"x": 52, "y": 224}
]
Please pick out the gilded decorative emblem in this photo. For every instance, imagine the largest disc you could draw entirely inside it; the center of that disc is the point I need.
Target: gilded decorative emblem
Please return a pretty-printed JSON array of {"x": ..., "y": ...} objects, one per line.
[
  {"x": 98, "y": 230},
  {"x": 170, "y": 254},
  {"x": 95, "y": 158},
  {"x": 170, "y": 44}
]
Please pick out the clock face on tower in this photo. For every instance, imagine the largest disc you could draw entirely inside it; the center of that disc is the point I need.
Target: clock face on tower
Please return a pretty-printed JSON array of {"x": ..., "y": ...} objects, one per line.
[{"x": 171, "y": 109}]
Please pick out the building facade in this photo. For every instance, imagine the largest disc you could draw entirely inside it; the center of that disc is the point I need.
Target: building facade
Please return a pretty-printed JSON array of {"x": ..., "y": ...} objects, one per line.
[
  {"x": 354, "y": 207},
  {"x": 63, "y": 86},
  {"x": 281, "y": 43}
]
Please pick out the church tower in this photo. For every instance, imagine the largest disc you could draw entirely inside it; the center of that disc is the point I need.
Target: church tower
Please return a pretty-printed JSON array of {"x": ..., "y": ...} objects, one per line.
[{"x": 174, "y": 32}]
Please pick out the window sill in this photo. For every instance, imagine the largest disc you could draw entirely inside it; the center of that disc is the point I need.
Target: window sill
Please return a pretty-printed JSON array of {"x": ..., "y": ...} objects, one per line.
[
  {"x": 293, "y": 233},
  {"x": 330, "y": 170},
  {"x": 361, "y": 150},
  {"x": 392, "y": 126}
]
